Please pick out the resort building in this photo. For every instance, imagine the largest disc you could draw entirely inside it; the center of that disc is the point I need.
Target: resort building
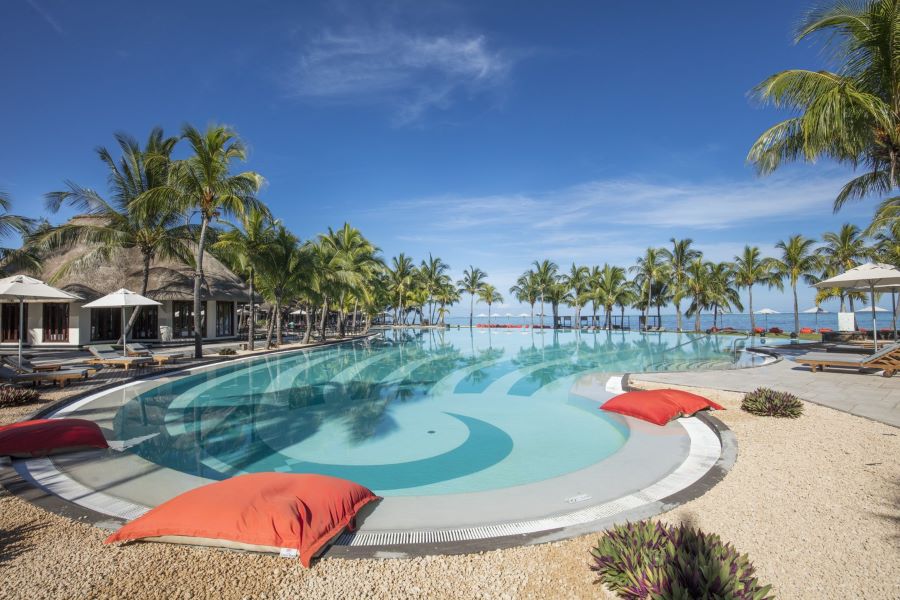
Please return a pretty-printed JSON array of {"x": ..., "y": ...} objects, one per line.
[{"x": 68, "y": 324}]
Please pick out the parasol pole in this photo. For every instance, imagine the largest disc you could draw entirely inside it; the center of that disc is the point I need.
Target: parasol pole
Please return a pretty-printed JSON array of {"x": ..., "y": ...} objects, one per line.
[
  {"x": 874, "y": 322},
  {"x": 21, "y": 326}
]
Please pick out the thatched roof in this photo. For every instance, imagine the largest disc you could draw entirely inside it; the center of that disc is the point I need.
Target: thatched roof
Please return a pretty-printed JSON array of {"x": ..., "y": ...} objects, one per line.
[{"x": 169, "y": 280}]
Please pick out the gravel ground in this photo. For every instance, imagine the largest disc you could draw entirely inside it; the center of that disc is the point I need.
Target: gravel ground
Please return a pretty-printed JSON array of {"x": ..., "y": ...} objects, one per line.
[{"x": 815, "y": 502}]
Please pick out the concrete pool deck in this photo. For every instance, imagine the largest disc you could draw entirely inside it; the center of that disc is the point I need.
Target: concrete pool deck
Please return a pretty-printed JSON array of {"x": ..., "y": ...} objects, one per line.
[{"x": 866, "y": 395}]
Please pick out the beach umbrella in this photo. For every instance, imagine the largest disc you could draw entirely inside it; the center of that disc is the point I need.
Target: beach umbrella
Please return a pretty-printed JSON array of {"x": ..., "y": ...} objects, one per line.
[
  {"x": 816, "y": 310},
  {"x": 122, "y": 299},
  {"x": 877, "y": 309},
  {"x": 481, "y": 315},
  {"x": 865, "y": 277},
  {"x": 766, "y": 312},
  {"x": 22, "y": 288},
  {"x": 299, "y": 311}
]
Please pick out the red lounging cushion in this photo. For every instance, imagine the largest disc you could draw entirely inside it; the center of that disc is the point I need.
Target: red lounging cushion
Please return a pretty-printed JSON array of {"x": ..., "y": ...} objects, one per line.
[
  {"x": 49, "y": 436},
  {"x": 658, "y": 406},
  {"x": 258, "y": 511}
]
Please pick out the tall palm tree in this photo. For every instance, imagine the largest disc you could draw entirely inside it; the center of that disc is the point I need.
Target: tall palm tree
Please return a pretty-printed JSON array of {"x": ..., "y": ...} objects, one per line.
[
  {"x": 798, "y": 261},
  {"x": 489, "y": 295},
  {"x": 355, "y": 258},
  {"x": 578, "y": 283},
  {"x": 244, "y": 247},
  {"x": 434, "y": 272},
  {"x": 115, "y": 225},
  {"x": 698, "y": 287},
  {"x": 12, "y": 225},
  {"x": 612, "y": 290},
  {"x": 282, "y": 264},
  {"x": 678, "y": 258},
  {"x": 723, "y": 292},
  {"x": 750, "y": 269},
  {"x": 546, "y": 273},
  {"x": 401, "y": 280},
  {"x": 526, "y": 290},
  {"x": 204, "y": 184},
  {"x": 447, "y": 295},
  {"x": 472, "y": 282},
  {"x": 851, "y": 115},
  {"x": 649, "y": 268},
  {"x": 843, "y": 250}
]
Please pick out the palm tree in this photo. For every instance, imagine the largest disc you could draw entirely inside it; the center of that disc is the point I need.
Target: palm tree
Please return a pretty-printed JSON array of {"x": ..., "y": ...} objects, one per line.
[
  {"x": 723, "y": 292},
  {"x": 434, "y": 272},
  {"x": 282, "y": 264},
  {"x": 649, "y": 268},
  {"x": 203, "y": 184},
  {"x": 798, "y": 260},
  {"x": 577, "y": 281},
  {"x": 526, "y": 290},
  {"x": 751, "y": 269},
  {"x": 472, "y": 282},
  {"x": 489, "y": 295},
  {"x": 678, "y": 258},
  {"x": 107, "y": 227},
  {"x": 401, "y": 279},
  {"x": 844, "y": 250},
  {"x": 545, "y": 276},
  {"x": 243, "y": 247},
  {"x": 14, "y": 259},
  {"x": 698, "y": 286},
  {"x": 852, "y": 115},
  {"x": 447, "y": 295},
  {"x": 355, "y": 258},
  {"x": 612, "y": 290}
]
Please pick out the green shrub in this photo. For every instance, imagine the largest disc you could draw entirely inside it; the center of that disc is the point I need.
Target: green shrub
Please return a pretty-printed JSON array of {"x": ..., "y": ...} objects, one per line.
[
  {"x": 647, "y": 560},
  {"x": 11, "y": 395},
  {"x": 227, "y": 352},
  {"x": 766, "y": 402}
]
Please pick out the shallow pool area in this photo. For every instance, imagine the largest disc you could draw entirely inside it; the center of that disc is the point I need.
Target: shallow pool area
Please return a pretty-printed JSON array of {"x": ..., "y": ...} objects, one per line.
[{"x": 460, "y": 430}]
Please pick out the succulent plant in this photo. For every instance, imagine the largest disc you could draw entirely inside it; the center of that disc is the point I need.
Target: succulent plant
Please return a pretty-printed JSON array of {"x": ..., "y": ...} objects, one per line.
[
  {"x": 647, "y": 560},
  {"x": 766, "y": 402},
  {"x": 11, "y": 395}
]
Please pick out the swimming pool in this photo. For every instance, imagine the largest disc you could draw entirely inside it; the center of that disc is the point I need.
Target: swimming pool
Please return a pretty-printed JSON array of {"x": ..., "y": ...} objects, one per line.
[{"x": 488, "y": 426}]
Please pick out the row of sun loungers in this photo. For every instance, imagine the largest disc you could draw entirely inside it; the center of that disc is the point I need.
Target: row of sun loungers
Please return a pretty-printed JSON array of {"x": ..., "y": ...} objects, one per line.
[{"x": 887, "y": 359}]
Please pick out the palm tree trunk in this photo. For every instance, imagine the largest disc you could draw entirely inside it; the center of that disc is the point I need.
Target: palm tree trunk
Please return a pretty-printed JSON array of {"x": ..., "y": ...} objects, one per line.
[
  {"x": 532, "y": 315},
  {"x": 355, "y": 310},
  {"x": 471, "y": 308},
  {"x": 752, "y": 317},
  {"x": 678, "y": 315},
  {"x": 697, "y": 320},
  {"x": 796, "y": 310},
  {"x": 542, "y": 310},
  {"x": 278, "y": 336},
  {"x": 270, "y": 325},
  {"x": 324, "y": 317},
  {"x": 310, "y": 320},
  {"x": 251, "y": 324},
  {"x": 198, "y": 281},
  {"x": 145, "y": 282}
]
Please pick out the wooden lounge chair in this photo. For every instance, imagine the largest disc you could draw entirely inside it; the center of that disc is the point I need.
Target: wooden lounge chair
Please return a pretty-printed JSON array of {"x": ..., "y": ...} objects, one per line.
[
  {"x": 887, "y": 359},
  {"x": 58, "y": 377},
  {"x": 135, "y": 349},
  {"x": 106, "y": 355},
  {"x": 26, "y": 366}
]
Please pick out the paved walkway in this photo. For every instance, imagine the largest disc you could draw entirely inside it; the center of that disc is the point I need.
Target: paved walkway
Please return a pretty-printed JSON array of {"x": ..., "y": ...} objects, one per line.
[{"x": 866, "y": 395}]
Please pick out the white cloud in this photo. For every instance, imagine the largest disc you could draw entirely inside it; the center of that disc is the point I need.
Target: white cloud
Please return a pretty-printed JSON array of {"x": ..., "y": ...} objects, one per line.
[{"x": 412, "y": 73}]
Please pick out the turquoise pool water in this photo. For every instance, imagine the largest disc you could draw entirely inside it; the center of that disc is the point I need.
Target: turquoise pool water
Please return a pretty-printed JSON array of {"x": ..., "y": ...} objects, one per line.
[{"x": 416, "y": 412}]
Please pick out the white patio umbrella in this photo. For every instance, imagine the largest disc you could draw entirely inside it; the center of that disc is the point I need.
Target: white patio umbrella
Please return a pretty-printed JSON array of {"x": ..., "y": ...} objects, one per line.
[
  {"x": 299, "y": 311},
  {"x": 877, "y": 309},
  {"x": 23, "y": 288},
  {"x": 865, "y": 277},
  {"x": 122, "y": 299},
  {"x": 816, "y": 310},
  {"x": 766, "y": 312}
]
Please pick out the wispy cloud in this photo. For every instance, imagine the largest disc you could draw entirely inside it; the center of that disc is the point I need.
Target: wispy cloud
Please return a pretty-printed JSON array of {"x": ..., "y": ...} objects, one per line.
[
  {"x": 411, "y": 73},
  {"x": 45, "y": 14}
]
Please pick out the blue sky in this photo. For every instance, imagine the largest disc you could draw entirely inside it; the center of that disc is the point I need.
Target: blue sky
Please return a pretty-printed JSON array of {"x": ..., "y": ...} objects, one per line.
[{"x": 487, "y": 133}]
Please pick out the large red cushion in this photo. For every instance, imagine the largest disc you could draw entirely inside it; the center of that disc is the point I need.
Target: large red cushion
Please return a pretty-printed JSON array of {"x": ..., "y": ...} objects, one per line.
[
  {"x": 658, "y": 406},
  {"x": 48, "y": 436},
  {"x": 259, "y": 511}
]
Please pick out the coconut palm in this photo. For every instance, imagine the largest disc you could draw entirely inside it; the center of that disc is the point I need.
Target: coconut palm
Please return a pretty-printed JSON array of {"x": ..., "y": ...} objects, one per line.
[
  {"x": 698, "y": 287},
  {"x": 434, "y": 273},
  {"x": 489, "y": 295},
  {"x": 851, "y": 115},
  {"x": 578, "y": 283},
  {"x": 723, "y": 292},
  {"x": 678, "y": 259},
  {"x": 354, "y": 258},
  {"x": 798, "y": 261},
  {"x": 526, "y": 290},
  {"x": 472, "y": 282},
  {"x": 16, "y": 259},
  {"x": 546, "y": 273},
  {"x": 281, "y": 265},
  {"x": 107, "y": 227},
  {"x": 649, "y": 268},
  {"x": 750, "y": 269},
  {"x": 612, "y": 289},
  {"x": 204, "y": 184},
  {"x": 446, "y": 295},
  {"x": 400, "y": 276},
  {"x": 843, "y": 250},
  {"x": 243, "y": 247}
]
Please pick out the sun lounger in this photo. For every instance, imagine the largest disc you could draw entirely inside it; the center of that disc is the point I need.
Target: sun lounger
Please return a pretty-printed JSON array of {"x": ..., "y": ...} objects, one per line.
[
  {"x": 887, "y": 359},
  {"x": 26, "y": 366},
  {"x": 58, "y": 377},
  {"x": 106, "y": 355},
  {"x": 142, "y": 350}
]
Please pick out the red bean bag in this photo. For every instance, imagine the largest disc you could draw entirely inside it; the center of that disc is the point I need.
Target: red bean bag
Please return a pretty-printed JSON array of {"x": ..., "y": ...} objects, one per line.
[
  {"x": 291, "y": 514},
  {"x": 758, "y": 330},
  {"x": 659, "y": 406},
  {"x": 49, "y": 436},
  {"x": 825, "y": 330},
  {"x": 776, "y": 330},
  {"x": 805, "y": 330}
]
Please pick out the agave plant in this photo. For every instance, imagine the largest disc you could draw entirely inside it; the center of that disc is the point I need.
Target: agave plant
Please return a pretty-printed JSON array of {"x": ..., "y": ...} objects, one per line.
[
  {"x": 647, "y": 560},
  {"x": 767, "y": 402}
]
